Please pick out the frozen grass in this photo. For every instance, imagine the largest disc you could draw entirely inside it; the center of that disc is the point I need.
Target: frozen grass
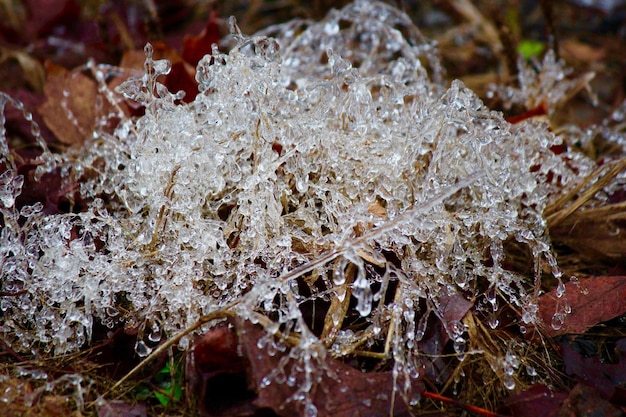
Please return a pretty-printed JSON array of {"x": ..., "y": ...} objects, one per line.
[{"x": 326, "y": 162}]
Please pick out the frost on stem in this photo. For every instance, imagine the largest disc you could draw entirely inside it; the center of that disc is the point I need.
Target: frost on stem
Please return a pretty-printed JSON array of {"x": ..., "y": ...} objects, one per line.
[{"x": 299, "y": 173}]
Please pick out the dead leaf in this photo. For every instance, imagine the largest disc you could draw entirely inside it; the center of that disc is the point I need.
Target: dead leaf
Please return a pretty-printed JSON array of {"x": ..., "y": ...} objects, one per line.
[
  {"x": 606, "y": 378},
  {"x": 453, "y": 309},
  {"x": 122, "y": 409},
  {"x": 32, "y": 70},
  {"x": 592, "y": 239},
  {"x": 598, "y": 300},
  {"x": 338, "y": 308},
  {"x": 585, "y": 401},
  {"x": 540, "y": 111},
  {"x": 181, "y": 76},
  {"x": 195, "y": 47},
  {"x": 217, "y": 374},
  {"x": 536, "y": 401},
  {"x": 377, "y": 209},
  {"x": 342, "y": 392},
  {"x": 574, "y": 50},
  {"x": 70, "y": 108}
]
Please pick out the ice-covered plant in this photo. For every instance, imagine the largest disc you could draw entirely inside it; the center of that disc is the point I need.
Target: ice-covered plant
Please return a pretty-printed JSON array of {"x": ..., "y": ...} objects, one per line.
[{"x": 326, "y": 163}]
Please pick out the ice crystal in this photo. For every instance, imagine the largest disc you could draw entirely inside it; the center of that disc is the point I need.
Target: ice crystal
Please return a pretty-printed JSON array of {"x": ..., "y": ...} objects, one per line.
[
  {"x": 547, "y": 83},
  {"x": 330, "y": 155}
]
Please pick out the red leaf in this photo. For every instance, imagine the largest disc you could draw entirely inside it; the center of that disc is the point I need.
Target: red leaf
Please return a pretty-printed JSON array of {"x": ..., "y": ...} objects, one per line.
[
  {"x": 540, "y": 110},
  {"x": 181, "y": 78},
  {"x": 604, "y": 298},
  {"x": 195, "y": 47},
  {"x": 604, "y": 377},
  {"x": 342, "y": 392},
  {"x": 536, "y": 401},
  {"x": 453, "y": 309},
  {"x": 584, "y": 401},
  {"x": 217, "y": 351}
]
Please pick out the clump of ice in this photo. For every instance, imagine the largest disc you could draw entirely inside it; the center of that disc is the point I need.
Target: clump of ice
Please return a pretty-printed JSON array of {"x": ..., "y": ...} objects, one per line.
[{"x": 317, "y": 147}]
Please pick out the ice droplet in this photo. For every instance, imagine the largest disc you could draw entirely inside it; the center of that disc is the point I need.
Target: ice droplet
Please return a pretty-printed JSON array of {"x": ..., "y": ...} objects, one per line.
[
  {"x": 509, "y": 382},
  {"x": 557, "y": 321},
  {"x": 142, "y": 349},
  {"x": 493, "y": 322},
  {"x": 155, "y": 333},
  {"x": 310, "y": 410}
]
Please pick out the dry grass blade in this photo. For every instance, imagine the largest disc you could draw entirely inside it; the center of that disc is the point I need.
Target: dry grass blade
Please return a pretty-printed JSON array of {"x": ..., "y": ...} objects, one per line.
[
  {"x": 473, "y": 15},
  {"x": 338, "y": 308},
  {"x": 558, "y": 211}
]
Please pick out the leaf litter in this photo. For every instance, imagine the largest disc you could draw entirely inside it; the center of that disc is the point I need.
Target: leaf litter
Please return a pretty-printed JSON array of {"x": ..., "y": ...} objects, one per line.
[{"x": 393, "y": 288}]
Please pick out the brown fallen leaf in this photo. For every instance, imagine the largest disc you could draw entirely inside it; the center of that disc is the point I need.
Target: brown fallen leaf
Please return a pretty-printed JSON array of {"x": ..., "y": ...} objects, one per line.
[
  {"x": 536, "y": 401},
  {"x": 594, "y": 236},
  {"x": 342, "y": 392},
  {"x": 597, "y": 300},
  {"x": 70, "y": 108},
  {"x": 338, "y": 308},
  {"x": 574, "y": 50},
  {"x": 607, "y": 379},
  {"x": 32, "y": 70},
  {"x": 377, "y": 209},
  {"x": 181, "y": 76},
  {"x": 585, "y": 401},
  {"x": 217, "y": 375},
  {"x": 122, "y": 409},
  {"x": 196, "y": 47},
  {"x": 347, "y": 393}
]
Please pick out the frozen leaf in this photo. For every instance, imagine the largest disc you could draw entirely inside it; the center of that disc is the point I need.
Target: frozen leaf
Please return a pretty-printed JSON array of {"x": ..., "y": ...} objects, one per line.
[
  {"x": 180, "y": 77},
  {"x": 341, "y": 391},
  {"x": 70, "y": 108},
  {"x": 217, "y": 350},
  {"x": 48, "y": 190},
  {"x": 453, "y": 308},
  {"x": 19, "y": 398},
  {"x": 17, "y": 125},
  {"x": 594, "y": 300},
  {"x": 377, "y": 210}
]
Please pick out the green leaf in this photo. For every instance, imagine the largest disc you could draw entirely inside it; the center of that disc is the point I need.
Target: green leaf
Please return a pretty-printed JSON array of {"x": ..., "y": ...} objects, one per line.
[
  {"x": 142, "y": 392},
  {"x": 169, "y": 393},
  {"x": 169, "y": 384},
  {"x": 528, "y": 48}
]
